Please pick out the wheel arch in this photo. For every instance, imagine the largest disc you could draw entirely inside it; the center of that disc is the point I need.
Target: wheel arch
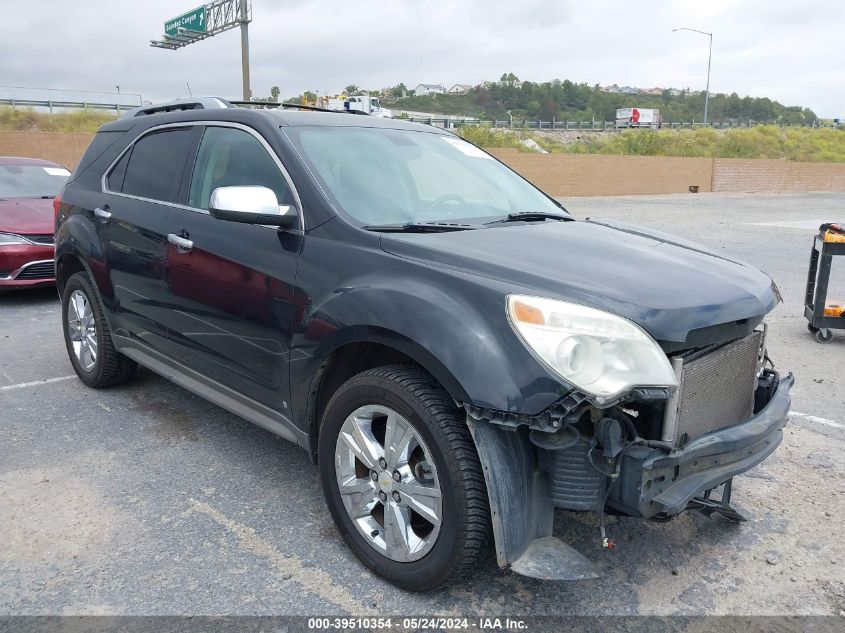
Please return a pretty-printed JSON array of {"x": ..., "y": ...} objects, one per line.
[
  {"x": 366, "y": 349},
  {"x": 68, "y": 264}
]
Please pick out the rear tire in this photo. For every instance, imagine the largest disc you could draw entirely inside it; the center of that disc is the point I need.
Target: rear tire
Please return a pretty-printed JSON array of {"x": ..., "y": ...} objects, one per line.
[
  {"x": 405, "y": 397},
  {"x": 88, "y": 339}
]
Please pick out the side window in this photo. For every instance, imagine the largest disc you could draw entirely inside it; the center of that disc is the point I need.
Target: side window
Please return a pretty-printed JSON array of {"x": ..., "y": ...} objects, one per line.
[
  {"x": 230, "y": 157},
  {"x": 155, "y": 165},
  {"x": 115, "y": 177}
]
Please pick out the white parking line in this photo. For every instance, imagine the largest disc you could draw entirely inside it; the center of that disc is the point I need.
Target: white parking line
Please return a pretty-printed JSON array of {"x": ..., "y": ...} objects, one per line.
[
  {"x": 817, "y": 419},
  {"x": 35, "y": 383},
  {"x": 804, "y": 225}
]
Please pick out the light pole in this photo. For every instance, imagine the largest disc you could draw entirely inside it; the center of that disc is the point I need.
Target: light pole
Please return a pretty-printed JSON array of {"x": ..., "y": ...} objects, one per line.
[
  {"x": 244, "y": 19},
  {"x": 709, "y": 57}
]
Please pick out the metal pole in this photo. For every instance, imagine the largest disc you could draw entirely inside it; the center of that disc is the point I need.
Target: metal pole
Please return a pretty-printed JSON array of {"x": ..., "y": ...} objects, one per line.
[
  {"x": 707, "y": 89},
  {"x": 245, "y": 49},
  {"x": 709, "y": 57}
]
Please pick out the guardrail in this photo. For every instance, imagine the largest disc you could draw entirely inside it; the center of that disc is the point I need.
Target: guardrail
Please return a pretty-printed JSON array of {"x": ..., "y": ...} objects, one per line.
[
  {"x": 50, "y": 104},
  {"x": 602, "y": 126}
]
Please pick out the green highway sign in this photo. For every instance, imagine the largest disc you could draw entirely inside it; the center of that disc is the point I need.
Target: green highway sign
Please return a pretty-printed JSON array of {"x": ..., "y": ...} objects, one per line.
[{"x": 193, "y": 20}]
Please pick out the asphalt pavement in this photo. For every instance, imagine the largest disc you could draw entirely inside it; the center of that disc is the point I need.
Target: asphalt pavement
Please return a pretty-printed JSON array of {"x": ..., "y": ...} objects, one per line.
[{"x": 145, "y": 499}]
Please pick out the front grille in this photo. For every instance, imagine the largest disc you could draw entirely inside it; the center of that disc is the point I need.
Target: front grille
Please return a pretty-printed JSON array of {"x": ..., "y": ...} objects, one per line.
[
  {"x": 41, "y": 239},
  {"x": 717, "y": 388},
  {"x": 39, "y": 270}
]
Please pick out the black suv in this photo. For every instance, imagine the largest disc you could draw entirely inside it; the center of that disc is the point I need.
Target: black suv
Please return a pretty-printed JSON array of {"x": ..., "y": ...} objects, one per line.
[{"x": 456, "y": 352}]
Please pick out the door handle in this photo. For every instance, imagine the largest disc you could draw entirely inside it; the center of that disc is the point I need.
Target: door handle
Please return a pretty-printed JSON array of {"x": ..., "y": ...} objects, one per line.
[
  {"x": 182, "y": 244},
  {"x": 103, "y": 213}
]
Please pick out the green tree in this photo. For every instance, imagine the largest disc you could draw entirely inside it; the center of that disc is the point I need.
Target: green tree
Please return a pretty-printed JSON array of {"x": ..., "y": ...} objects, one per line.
[
  {"x": 398, "y": 91},
  {"x": 274, "y": 94}
]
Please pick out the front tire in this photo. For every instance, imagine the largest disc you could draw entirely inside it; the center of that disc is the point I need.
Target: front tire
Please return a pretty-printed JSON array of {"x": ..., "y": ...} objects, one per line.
[
  {"x": 88, "y": 339},
  {"x": 402, "y": 478}
]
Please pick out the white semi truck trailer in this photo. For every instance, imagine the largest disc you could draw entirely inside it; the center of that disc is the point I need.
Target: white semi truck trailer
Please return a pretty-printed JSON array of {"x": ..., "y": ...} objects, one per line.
[{"x": 639, "y": 117}]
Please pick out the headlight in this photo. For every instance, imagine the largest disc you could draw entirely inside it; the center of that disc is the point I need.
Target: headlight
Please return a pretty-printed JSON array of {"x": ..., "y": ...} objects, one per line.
[
  {"x": 602, "y": 354},
  {"x": 6, "y": 239}
]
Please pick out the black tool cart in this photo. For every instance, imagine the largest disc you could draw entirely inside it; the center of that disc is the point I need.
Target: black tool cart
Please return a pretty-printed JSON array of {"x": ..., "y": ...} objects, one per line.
[{"x": 821, "y": 316}]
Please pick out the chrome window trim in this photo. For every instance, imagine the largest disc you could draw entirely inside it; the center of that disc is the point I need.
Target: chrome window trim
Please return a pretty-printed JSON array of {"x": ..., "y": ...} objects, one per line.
[
  {"x": 186, "y": 124},
  {"x": 15, "y": 273}
]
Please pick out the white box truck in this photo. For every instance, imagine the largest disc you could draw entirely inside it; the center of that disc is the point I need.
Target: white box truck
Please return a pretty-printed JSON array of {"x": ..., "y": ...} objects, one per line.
[
  {"x": 362, "y": 103},
  {"x": 639, "y": 117}
]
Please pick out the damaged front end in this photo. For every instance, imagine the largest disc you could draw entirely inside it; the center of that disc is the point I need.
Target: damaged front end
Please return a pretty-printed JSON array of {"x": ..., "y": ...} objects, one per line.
[{"x": 652, "y": 453}]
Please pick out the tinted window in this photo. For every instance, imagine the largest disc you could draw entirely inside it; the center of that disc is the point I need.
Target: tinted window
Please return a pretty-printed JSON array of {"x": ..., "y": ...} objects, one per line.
[
  {"x": 115, "y": 179},
  {"x": 155, "y": 166},
  {"x": 230, "y": 157}
]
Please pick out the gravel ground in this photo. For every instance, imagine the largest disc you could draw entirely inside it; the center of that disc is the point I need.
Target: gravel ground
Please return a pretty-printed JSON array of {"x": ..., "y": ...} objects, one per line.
[{"x": 145, "y": 499}]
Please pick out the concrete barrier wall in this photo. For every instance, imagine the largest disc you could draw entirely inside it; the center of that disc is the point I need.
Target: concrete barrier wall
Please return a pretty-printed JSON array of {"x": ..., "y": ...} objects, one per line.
[
  {"x": 608, "y": 175},
  {"x": 732, "y": 174},
  {"x": 561, "y": 174},
  {"x": 60, "y": 147}
]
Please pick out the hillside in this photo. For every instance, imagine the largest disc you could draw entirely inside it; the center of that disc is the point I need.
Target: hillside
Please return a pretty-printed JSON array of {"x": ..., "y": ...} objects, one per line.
[
  {"x": 769, "y": 141},
  {"x": 27, "y": 120},
  {"x": 581, "y": 102}
]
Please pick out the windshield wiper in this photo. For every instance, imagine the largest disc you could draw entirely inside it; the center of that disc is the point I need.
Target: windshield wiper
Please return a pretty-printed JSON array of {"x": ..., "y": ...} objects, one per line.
[
  {"x": 420, "y": 227},
  {"x": 528, "y": 216}
]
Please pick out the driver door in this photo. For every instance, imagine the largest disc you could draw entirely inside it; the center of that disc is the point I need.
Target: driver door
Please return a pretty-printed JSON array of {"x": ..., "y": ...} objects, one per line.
[{"x": 231, "y": 284}]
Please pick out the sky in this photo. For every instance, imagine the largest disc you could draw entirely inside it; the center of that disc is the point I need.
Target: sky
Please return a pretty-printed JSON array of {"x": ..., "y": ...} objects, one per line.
[{"x": 788, "y": 50}]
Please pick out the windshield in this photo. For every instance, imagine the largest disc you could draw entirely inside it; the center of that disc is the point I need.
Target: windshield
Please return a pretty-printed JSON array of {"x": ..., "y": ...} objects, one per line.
[
  {"x": 31, "y": 181},
  {"x": 383, "y": 176}
]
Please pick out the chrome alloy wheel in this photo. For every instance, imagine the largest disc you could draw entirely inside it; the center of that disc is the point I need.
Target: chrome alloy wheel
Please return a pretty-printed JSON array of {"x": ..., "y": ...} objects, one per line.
[
  {"x": 82, "y": 330},
  {"x": 388, "y": 483}
]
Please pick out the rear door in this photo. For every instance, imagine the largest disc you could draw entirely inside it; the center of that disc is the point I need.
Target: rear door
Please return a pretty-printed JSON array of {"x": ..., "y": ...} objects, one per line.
[
  {"x": 139, "y": 192},
  {"x": 231, "y": 284}
]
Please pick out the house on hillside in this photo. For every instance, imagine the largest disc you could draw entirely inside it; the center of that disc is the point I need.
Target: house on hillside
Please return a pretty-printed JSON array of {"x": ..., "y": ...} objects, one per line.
[
  {"x": 460, "y": 89},
  {"x": 627, "y": 90},
  {"x": 423, "y": 90},
  {"x": 651, "y": 91}
]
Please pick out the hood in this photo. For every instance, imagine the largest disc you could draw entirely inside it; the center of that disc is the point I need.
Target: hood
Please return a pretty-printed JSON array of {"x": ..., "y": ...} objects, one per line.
[
  {"x": 679, "y": 292},
  {"x": 26, "y": 216}
]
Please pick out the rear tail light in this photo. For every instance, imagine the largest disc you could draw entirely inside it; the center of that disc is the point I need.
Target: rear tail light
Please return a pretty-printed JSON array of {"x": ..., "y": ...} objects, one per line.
[{"x": 57, "y": 203}]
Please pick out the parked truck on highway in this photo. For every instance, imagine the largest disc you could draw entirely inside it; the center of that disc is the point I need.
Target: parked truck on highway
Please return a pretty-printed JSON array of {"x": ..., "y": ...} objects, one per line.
[
  {"x": 361, "y": 103},
  {"x": 639, "y": 117}
]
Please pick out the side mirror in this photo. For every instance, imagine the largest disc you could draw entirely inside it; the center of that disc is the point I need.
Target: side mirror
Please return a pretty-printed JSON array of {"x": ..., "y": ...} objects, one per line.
[{"x": 250, "y": 205}]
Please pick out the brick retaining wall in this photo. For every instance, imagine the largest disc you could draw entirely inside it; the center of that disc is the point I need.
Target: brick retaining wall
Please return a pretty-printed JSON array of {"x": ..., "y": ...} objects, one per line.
[
  {"x": 60, "y": 147},
  {"x": 561, "y": 174},
  {"x": 746, "y": 175},
  {"x": 608, "y": 175}
]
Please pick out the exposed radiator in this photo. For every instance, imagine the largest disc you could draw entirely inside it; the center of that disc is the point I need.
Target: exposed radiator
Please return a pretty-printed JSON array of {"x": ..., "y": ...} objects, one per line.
[{"x": 717, "y": 388}]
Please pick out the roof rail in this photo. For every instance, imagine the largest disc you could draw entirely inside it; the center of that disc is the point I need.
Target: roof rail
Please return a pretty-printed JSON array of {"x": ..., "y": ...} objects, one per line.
[
  {"x": 263, "y": 105},
  {"x": 178, "y": 105},
  {"x": 216, "y": 103}
]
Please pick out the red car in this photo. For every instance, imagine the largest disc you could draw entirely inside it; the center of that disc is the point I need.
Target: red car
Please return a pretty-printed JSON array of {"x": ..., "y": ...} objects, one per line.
[{"x": 27, "y": 189}]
